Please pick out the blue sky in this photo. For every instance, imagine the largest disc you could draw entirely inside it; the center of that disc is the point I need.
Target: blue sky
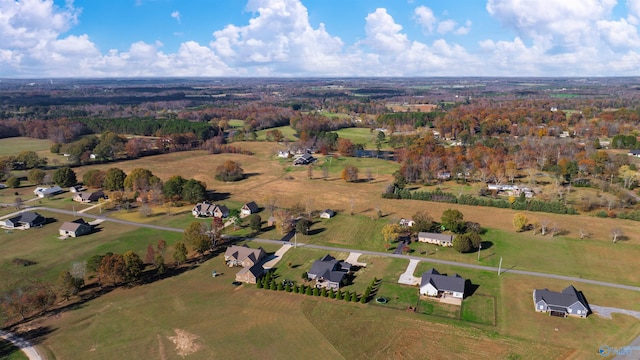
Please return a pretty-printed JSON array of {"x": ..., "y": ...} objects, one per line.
[{"x": 290, "y": 38}]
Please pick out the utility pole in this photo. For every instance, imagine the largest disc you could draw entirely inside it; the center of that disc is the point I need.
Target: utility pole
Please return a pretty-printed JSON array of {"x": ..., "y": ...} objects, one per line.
[
  {"x": 295, "y": 239},
  {"x": 479, "y": 248},
  {"x": 500, "y": 266}
]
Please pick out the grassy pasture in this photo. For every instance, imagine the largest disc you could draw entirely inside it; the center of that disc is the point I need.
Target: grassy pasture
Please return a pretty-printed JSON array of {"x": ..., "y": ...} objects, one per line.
[
  {"x": 141, "y": 322},
  {"x": 287, "y": 131},
  {"x": 362, "y": 136},
  {"x": 15, "y": 145},
  {"x": 53, "y": 255}
]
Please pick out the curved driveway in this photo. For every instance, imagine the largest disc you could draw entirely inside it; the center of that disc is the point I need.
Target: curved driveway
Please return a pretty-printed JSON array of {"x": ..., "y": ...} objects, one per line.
[{"x": 22, "y": 344}]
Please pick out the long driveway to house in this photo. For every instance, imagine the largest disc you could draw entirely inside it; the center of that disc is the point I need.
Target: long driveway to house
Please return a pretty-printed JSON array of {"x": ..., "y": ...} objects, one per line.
[{"x": 22, "y": 344}]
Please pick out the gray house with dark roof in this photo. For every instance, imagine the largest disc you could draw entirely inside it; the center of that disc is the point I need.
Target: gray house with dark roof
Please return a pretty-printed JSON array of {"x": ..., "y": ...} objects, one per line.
[
  {"x": 435, "y": 284},
  {"x": 25, "y": 220},
  {"x": 435, "y": 238},
  {"x": 304, "y": 159},
  {"x": 328, "y": 272},
  {"x": 569, "y": 302}
]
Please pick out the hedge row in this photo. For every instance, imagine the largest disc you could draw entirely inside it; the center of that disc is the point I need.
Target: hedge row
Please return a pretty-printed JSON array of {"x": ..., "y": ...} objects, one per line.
[{"x": 440, "y": 196}]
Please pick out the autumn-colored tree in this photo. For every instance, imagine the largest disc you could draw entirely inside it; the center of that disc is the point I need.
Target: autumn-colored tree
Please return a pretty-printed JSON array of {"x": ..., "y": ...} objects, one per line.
[
  {"x": 422, "y": 222},
  {"x": 520, "y": 222},
  {"x": 391, "y": 232},
  {"x": 349, "y": 173},
  {"x": 112, "y": 270},
  {"x": 229, "y": 171},
  {"x": 94, "y": 178},
  {"x": 345, "y": 147},
  {"x": 141, "y": 180},
  {"x": 151, "y": 254}
]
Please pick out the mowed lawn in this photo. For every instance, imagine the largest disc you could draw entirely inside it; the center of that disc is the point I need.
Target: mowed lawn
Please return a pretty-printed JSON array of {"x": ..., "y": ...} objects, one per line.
[
  {"x": 194, "y": 310},
  {"x": 52, "y": 255},
  {"x": 363, "y": 136},
  {"x": 15, "y": 145}
]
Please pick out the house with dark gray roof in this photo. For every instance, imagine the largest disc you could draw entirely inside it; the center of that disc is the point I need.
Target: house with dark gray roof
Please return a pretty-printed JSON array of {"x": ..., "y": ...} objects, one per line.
[
  {"x": 87, "y": 197},
  {"x": 634, "y": 152},
  {"x": 435, "y": 238},
  {"x": 569, "y": 302},
  {"x": 435, "y": 284},
  {"x": 249, "y": 208},
  {"x": 328, "y": 272},
  {"x": 25, "y": 220},
  {"x": 327, "y": 214},
  {"x": 304, "y": 159},
  {"x": 221, "y": 211}
]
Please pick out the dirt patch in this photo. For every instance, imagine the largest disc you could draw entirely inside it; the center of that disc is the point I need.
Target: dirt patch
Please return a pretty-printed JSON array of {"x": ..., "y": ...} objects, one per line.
[
  {"x": 186, "y": 343},
  {"x": 161, "y": 349}
]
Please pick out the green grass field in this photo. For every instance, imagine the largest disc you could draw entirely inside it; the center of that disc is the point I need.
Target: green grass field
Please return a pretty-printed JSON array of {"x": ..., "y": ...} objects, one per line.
[
  {"x": 14, "y": 146},
  {"x": 362, "y": 136},
  {"x": 287, "y": 131}
]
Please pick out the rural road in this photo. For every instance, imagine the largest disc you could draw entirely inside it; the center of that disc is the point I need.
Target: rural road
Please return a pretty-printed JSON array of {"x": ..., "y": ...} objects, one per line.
[
  {"x": 22, "y": 344},
  {"x": 34, "y": 355},
  {"x": 453, "y": 263}
]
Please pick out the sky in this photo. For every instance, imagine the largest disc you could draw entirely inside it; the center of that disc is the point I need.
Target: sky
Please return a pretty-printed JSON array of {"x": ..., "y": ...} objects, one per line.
[{"x": 318, "y": 38}]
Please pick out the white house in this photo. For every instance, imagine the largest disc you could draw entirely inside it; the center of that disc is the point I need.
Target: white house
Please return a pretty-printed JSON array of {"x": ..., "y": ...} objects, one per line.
[
  {"x": 44, "y": 191},
  {"x": 434, "y": 284}
]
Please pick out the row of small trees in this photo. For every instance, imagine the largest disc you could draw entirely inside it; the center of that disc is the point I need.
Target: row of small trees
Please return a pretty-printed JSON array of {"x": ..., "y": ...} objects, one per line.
[{"x": 270, "y": 282}]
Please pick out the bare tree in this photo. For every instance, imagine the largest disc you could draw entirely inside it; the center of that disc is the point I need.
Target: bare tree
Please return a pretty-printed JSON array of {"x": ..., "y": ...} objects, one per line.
[
  {"x": 616, "y": 234},
  {"x": 554, "y": 229},
  {"x": 584, "y": 234},
  {"x": 19, "y": 203},
  {"x": 544, "y": 225}
]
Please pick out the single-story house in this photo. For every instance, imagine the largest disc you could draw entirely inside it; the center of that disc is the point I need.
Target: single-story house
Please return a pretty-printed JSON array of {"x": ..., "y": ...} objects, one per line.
[
  {"x": 329, "y": 272},
  {"x": 243, "y": 256},
  {"x": 75, "y": 228},
  {"x": 443, "y": 175},
  {"x": 435, "y": 284},
  {"x": 569, "y": 302},
  {"x": 435, "y": 238},
  {"x": 87, "y": 197},
  {"x": 327, "y": 214},
  {"x": 249, "y": 208},
  {"x": 76, "y": 189},
  {"x": 250, "y": 274},
  {"x": 635, "y": 153},
  {"x": 44, "y": 191},
  {"x": 25, "y": 220},
  {"x": 406, "y": 222},
  {"x": 304, "y": 159},
  {"x": 203, "y": 209},
  {"x": 221, "y": 211}
]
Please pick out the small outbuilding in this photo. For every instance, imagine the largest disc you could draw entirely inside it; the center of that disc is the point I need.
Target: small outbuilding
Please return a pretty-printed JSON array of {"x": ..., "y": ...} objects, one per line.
[
  {"x": 327, "y": 214},
  {"x": 249, "y": 208}
]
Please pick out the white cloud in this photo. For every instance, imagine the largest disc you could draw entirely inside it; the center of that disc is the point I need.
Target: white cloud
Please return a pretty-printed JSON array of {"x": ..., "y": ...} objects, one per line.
[
  {"x": 383, "y": 33},
  {"x": 568, "y": 23},
  {"x": 619, "y": 34},
  {"x": 446, "y": 26},
  {"x": 424, "y": 16},
  {"x": 464, "y": 30},
  {"x": 176, "y": 15},
  {"x": 279, "y": 36}
]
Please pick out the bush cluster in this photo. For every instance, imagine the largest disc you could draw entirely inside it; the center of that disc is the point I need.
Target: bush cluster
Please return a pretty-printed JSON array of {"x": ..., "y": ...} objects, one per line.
[{"x": 268, "y": 281}]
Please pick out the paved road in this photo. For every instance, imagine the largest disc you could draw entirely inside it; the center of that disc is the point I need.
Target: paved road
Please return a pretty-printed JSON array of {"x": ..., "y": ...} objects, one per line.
[
  {"x": 22, "y": 344},
  {"x": 453, "y": 263}
]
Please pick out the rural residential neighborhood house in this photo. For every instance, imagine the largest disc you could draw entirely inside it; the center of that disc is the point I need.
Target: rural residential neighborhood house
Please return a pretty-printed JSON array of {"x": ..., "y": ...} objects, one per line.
[
  {"x": 328, "y": 272},
  {"x": 87, "y": 197},
  {"x": 435, "y": 238},
  {"x": 204, "y": 209},
  {"x": 250, "y": 260},
  {"x": 437, "y": 285},
  {"x": 304, "y": 159},
  {"x": 243, "y": 256},
  {"x": 634, "y": 152},
  {"x": 44, "y": 191},
  {"x": 327, "y": 214},
  {"x": 75, "y": 228},
  {"x": 25, "y": 220},
  {"x": 569, "y": 302},
  {"x": 249, "y": 208}
]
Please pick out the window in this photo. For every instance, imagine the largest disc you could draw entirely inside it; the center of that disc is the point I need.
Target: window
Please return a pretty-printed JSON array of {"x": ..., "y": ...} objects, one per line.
[
  {"x": 578, "y": 311},
  {"x": 569, "y": 309},
  {"x": 541, "y": 307}
]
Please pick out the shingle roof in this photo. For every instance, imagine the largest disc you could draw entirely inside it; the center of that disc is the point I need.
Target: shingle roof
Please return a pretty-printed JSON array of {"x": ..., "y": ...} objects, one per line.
[
  {"x": 252, "y": 206},
  {"x": 443, "y": 282},
  {"x": 436, "y": 236},
  {"x": 241, "y": 253},
  {"x": 329, "y": 268},
  {"x": 566, "y": 298}
]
